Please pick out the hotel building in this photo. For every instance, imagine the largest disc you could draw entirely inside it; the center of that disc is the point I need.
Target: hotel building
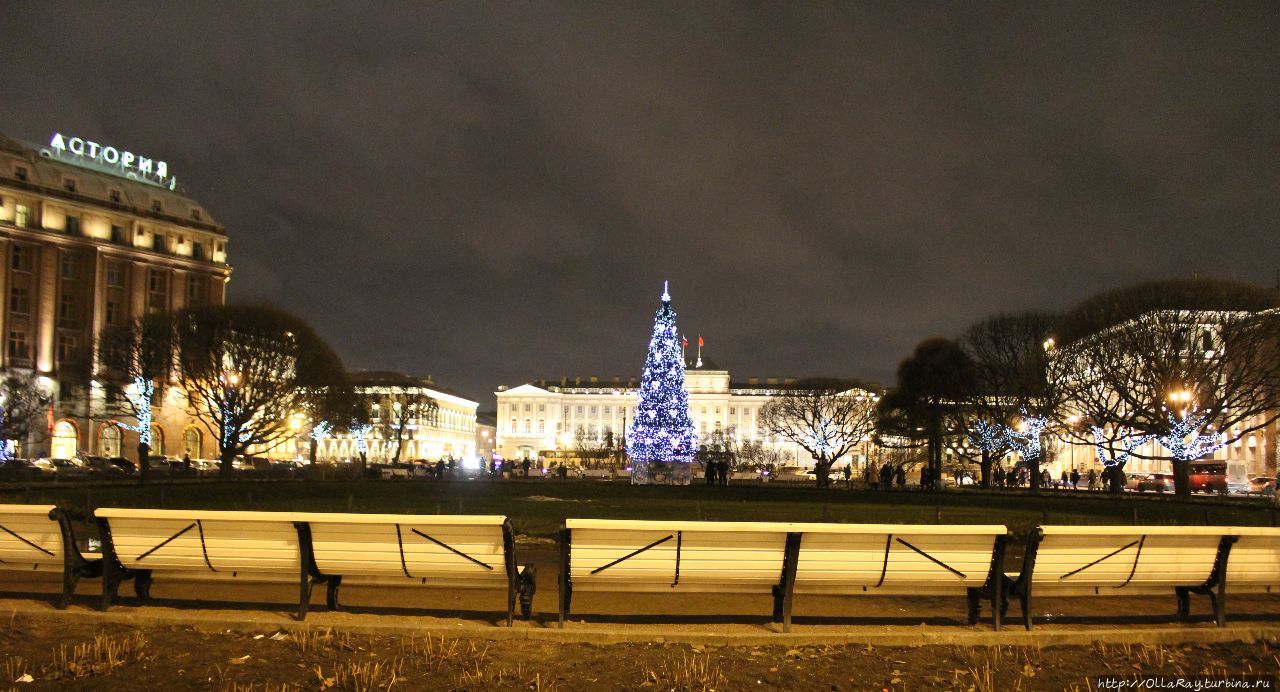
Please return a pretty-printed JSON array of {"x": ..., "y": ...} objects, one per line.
[{"x": 94, "y": 236}]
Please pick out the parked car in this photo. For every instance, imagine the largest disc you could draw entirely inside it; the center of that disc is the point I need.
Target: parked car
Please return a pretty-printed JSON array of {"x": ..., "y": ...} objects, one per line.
[
  {"x": 26, "y": 470},
  {"x": 110, "y": 467},
  {"x": 1262, "y": 485},
  {"x": 1155, "y": 482}
]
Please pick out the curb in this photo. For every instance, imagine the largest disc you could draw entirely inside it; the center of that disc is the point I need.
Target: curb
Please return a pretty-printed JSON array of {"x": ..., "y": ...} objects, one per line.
[{"x": 584, "y": 633}]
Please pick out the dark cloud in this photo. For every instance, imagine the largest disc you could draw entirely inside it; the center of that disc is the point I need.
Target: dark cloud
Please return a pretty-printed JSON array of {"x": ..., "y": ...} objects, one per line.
[{"x": 494, "y": 192}]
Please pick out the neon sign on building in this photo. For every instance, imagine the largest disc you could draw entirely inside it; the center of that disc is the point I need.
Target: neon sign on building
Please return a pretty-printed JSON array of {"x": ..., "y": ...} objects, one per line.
[{"x": 108, "y": 159}]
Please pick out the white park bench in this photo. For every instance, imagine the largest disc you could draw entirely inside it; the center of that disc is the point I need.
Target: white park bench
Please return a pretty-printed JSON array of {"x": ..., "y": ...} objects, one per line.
[
  {"x": 39, "y": 538},
  {"x": 1123, "y": 561},
  {"x": 202, "y": 545},
  {"x": 780, "y": 559},
  {"x": 462, "y": 552},
  {"x": 310, "y": 548},
  {"x": 1254, "y": 564}
]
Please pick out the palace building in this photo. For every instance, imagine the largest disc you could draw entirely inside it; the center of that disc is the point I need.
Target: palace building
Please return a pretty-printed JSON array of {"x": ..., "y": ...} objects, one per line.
[
  {"x": 93, "y": 236},
  {"x": 542, "y": 418}
]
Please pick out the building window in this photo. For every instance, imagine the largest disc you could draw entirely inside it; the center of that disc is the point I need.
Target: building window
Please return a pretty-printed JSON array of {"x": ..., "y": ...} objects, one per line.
[
  {"x": 21, "y": 260},
  {"x": 157, "y": 242},
  {"x": 542, "y": 425},
  {"x": 528, "y": 426},
  {"x": 542, "y": 407},
  {"x": 117, "y": 234},
  {"x": 115, "y": 274},
  {"x": 73, "y": 225},
  {"x": 67, "y": 310},
  {"x": 68, "y": 267},
  {"x": 157, "y": 205},
  {"x": 113, "y": 312},
  {"x": 197, "y": 251},
  {"x": 157, "y": 290},
  {"x": 115, "y": 196},
  {"x": 513, "y": 429},
  {"x": 195, "y": 214},
  {"x": 18, "y": 344},
  {"x": 733, "y": 411},
  {"x": 579, "y": 409},
  {"x": 19, "y": 300},
  {"x": 66, "y": 348},
  {"x": 22, "y": 216},
  {"x": 20, "y": 173},
  {"x": 69, "y": 184},
  {"x": 195, "y": 290}
]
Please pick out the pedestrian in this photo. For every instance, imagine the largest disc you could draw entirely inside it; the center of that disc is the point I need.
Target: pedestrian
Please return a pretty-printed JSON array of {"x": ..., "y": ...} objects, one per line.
[
  {"x": 1093, "y": 479},
  {"x": 1075, "y": 479},
  {"x": 186, "y": 463},
  {"x": 925, "y": 473},
  {"x": 724, "y": 472},
  {"x": 886, "y": 476},
  {"x": 848, "y": 475},
  {"x": 524, "y": 467},
  {"x": 709, "y": 471},
  {"x": 868, "y": 472},
  {"x": 1046, "y": 480},
  {"x": 439, "y": 469},
  {"x": 901, "y": 475}
]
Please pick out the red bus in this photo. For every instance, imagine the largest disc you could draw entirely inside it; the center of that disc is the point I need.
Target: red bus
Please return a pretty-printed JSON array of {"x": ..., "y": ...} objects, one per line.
[{"x": 1209, "y": 476}]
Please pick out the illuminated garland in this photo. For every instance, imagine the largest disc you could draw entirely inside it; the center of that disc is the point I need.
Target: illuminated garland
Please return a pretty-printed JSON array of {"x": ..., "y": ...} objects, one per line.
[
  {"x": 1027, "y": 440},
  {"x": 1185, "y": 442},
  {"x": 988, "y": 436},
  {"x": 1131, "y": 442},
  {"x": 321, "y": 431},
  {"x": 361, "y": 434},
  {"x": 140, "y": 401},
  {"x": 662, "y": 430}
]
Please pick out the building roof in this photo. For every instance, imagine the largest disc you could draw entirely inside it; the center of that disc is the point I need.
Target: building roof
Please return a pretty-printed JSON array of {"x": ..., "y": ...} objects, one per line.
[
  {"x": 47, "y": 176},
  {"x": 390, "y": 378}
]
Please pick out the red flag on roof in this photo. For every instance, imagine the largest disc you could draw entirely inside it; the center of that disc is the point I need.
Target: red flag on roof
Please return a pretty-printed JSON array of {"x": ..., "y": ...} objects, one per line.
[
  {"x": 684, "y": 341},
  {"x": 700, "y": 344}
]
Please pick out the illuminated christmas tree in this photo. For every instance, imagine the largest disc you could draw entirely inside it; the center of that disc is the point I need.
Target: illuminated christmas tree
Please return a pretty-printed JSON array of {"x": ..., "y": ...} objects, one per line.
[{"x": 661, "y": 432}]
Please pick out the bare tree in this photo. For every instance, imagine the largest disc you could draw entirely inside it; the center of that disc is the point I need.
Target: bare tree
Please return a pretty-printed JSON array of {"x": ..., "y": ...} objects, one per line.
[
  {"x": 590, "y": 446},
  {"x": 137, "y": 360},
  {"x": 1013, "y": 399},
  {"x": 826, "y": 418},
  {"x": 247, "y": 369},
  {"x": 23, "y": 406},
  {"x": 1192, "y": 364},
  {"x": 402, "y": 402}
]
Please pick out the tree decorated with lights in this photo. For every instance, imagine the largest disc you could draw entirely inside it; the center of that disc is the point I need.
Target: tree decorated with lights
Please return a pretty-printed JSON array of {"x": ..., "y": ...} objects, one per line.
[{"x": 662, "y": 431}]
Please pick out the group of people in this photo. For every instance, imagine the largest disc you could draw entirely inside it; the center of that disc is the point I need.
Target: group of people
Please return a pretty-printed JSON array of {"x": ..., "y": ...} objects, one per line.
[
  {"x": 716, "y": 472},
  {"x": 885, "y": 477}
]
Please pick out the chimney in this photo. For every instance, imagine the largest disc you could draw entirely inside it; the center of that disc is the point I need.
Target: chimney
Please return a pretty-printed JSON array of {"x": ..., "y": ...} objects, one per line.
[
  {"x": 753, "y": 380},
  {"x": 577, "y": 381},
  {"x": 771, "y": 380},
  {"x": 593, "y": 379},
  {"x": 563, "y": 380}
]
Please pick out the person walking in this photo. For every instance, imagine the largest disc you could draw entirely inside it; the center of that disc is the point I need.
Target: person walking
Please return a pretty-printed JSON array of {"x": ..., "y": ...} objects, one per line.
[
  {"x": 868, "y": 473},
  {"x": 1093, "y": 479},
  {"x": 1075, "y": 479},
  {"x": 886, "y": 476}
]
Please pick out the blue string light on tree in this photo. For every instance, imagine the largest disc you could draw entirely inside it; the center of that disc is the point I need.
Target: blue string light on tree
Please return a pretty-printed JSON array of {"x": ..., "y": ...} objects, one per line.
[
  {"x": 1130, "y": 442},
  {"x": 1185, "y": 442},
  {"x": 140, "y": 401},
  {"x": 662, "y": 431}
]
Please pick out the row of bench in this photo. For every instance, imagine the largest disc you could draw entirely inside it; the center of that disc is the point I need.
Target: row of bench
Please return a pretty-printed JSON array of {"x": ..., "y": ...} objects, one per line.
[{"x": 634, "y": 557}]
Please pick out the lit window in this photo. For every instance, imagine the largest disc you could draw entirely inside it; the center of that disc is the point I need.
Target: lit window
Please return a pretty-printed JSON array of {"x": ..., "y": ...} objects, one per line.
[
  {"x": 22, "y": 216},
  {"x": 20, "y": 173},
  {"x": 18, "y": 344},
  {"x": 69, "y": 185}
]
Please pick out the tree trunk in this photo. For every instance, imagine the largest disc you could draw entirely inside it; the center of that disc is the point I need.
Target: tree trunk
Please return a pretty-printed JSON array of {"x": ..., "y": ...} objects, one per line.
[
  {"x": 144, "y": 463},
  {"x": 1033, "y": 472},
  {"x": 1182, "y": 479},
  {"x": 823, "y": 470},
  {"x": 935, "y": 455},
  {"x": 985, "y": 467},
  {"x": 314, "y": 444},
  {"x": 1114, "y": 478},
  {"x": 226, "y": 457}
]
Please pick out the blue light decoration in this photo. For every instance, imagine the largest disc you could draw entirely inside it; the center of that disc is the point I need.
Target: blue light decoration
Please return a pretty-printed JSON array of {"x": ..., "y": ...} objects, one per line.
[
  {"x": 1130, "y": 442},
  {"x": 1185, "y": 441},
  {"x": 361, "y": 434},
  {"x": 321, "y": 430},
  {"x": 662, "y": 431},
  {"x": 140, "y": 402},
  {"x": 988, "y": 436},
  {"x": 1026, "y": 442}
]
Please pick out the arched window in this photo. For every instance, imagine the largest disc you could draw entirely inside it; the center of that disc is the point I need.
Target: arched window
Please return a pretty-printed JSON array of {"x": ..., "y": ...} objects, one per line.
[
  {"x": 191, "y": 442},
  {"x": 109, "y": 440},
  {"x": 66, "y": 440},
  {"x": 157, "y": 440}
]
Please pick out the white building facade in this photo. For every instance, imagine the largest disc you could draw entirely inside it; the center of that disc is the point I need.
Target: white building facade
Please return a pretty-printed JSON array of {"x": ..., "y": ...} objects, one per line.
[{"x": 541, "y": 418}]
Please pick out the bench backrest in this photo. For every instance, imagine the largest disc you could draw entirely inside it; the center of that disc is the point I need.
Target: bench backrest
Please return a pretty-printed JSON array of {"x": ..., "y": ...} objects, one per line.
[
  {"x": 204, "y": 540},
  {"x": 1255, "y": 558},
  {"x": 643, "y": 554},
  {"x": 1126, "y": 556},
  {"x": 411, "y": 546},
  {"x": 887, "y": 555},
  {"x": 30, "y": 537}
]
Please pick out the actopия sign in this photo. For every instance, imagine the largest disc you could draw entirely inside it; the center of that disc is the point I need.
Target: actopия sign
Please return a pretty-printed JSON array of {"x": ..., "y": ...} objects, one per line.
[{"x": 112, "y": 160}]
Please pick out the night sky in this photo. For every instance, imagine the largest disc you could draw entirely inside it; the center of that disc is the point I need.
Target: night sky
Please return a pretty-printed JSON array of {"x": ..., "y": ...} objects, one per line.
[{"x": 492, "y": 193}]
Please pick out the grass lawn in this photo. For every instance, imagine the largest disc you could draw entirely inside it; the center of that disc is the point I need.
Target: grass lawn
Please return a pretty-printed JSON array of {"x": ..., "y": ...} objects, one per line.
[{"x": 537, "y": 507}]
